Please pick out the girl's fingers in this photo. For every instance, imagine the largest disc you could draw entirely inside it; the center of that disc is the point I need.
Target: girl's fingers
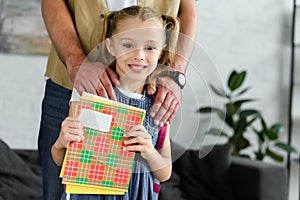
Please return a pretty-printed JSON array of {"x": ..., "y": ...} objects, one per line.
[
  {"x": 65, "y": 139},
  {"x": 74, "y": 131},
  {"x": 74, "y": 138},
  {"x": 137, "y": 131},
  {"x": 134, "y": 148},
  {"x": 137, "y": 140},
  {"x": 73, "y": 122},
  {"x": 144, "y": 149},
  {"x": 138, "y": 128},
  {"x": 136, "y": 137}
]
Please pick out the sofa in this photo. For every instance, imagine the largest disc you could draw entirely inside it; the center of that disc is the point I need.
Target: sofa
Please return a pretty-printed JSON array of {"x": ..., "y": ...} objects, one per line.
[
  {"x": 20, "y": 174},
  {"x": 213, "y": 174},
  {"x": 209, "y": 174}
]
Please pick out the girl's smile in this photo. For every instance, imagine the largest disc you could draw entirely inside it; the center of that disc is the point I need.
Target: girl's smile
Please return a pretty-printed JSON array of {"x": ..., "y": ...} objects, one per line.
[{"x": 137, "y": 68}]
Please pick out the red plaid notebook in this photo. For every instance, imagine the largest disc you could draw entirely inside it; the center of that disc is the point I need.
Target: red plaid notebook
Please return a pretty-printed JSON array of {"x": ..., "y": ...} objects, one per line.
[{"x": 98, "y": 165}]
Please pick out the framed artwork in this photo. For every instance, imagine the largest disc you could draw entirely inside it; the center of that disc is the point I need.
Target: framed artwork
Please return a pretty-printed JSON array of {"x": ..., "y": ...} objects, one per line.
[{"x": 22, "y": 30}]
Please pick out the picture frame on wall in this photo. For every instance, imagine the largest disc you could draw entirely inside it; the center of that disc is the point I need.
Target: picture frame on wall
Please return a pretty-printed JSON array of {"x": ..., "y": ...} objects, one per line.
[{"x": 22, "y": 30}]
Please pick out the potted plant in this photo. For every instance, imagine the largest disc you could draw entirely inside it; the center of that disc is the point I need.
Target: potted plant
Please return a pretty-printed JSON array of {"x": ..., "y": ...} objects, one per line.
[{"x": 240, "y": 120}]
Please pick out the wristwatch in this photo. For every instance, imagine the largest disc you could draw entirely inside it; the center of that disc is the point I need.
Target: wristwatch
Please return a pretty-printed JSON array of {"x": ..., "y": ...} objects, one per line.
[{"x": 177, "y": 76}]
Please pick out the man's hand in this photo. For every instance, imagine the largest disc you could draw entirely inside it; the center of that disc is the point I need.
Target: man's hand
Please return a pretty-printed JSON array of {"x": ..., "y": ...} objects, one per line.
[
  {"x": 95, "y": 78},
  {"x": 167, "y": 100}
]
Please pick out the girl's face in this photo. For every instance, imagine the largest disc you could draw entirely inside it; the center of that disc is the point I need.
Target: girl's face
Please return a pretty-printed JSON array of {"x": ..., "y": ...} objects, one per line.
[{"x": 137, "y": 47}]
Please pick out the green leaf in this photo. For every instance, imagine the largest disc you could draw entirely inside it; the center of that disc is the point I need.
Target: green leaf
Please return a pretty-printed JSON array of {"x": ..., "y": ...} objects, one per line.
[
  {"x": 249, "y": 112},
  {"x": 240, "y": 127},
  {"x": 217, "y": 132},
  {"x": 286, "y": 147},
  {"x": 221, "y": 113},
  {"x": 229, "y": 120},
  {"x": 260, "y": 135},
  {"x": 271, "y": 134},
  {"x": 233, "y": 107},
  {"x": 274, "y": 155},
  {"x": 208, "y": 109},
  {"x": 240, "y": 102},
  {"x": 252, "y": 120},
  {"x": 244, "y": 156},
  {"x": 243, "y": 91},
  {"x": 263, "y": 123},
  {"x": 277, "y": 127},
  {"x": 219, "y": 92},
  {"x": 236, "y": 80},
  {"x": 243, "y": 143},
  {"x": 259, "y": 155},
  {"x": 239, "y": 143}
]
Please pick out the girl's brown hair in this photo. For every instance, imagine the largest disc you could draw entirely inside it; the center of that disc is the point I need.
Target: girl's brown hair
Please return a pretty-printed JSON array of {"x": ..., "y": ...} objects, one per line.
[{"x": 170, "y": 24}]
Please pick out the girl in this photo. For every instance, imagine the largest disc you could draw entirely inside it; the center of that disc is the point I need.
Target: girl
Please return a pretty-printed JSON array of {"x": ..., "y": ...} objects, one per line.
[{"x": 137, "y": 40}]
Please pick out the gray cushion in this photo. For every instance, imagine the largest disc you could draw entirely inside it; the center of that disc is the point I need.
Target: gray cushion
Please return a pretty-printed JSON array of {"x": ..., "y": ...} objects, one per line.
[{"x": 204, "y": 178}]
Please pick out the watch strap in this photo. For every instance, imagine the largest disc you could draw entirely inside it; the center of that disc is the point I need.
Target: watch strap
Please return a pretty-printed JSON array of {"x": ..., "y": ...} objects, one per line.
[{"x": 174, "y": 75}]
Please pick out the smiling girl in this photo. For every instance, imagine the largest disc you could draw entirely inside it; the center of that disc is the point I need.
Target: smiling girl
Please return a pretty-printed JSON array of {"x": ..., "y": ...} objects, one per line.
[{"x": 137, "y": 41}]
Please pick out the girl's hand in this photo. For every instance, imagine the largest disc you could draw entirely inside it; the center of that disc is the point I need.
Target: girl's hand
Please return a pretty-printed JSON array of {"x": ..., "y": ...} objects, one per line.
[
  {"x": 138, "y": 139},
  {"x": 71, "y": 131}
]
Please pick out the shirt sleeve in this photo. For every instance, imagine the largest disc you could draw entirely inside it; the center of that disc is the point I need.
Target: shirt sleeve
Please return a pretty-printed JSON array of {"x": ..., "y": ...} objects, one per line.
[{"x": 75, "y": 96}]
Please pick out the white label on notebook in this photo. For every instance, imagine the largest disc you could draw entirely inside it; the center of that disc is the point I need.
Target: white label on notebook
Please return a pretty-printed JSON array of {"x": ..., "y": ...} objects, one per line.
[{"x": 95, "y": 120}]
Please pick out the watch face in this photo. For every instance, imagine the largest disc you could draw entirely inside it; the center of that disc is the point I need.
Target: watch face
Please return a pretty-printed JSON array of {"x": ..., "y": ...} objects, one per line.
[{"x": 181, "y": 79}]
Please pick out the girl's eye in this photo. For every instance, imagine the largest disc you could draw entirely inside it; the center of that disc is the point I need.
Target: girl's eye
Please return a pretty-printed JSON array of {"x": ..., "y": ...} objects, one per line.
[
  {"x": 150, "y": 48},
  {"x": 128, "y": 46}
]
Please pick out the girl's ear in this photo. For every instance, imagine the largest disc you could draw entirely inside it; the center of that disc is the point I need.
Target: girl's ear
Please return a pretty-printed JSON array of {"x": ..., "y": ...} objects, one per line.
[{"x": 109, "y": 47}]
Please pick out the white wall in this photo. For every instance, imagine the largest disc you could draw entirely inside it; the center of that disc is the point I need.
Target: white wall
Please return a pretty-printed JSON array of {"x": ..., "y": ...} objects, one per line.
[
  {"x": 243, "y": 34},
  {"x": 252, "y": 35},
  {"x": 22, "y": 87}
]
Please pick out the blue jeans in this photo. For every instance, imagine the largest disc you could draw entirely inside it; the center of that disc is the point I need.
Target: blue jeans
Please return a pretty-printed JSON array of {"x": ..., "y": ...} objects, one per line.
[{"x": 55, "y": 108}]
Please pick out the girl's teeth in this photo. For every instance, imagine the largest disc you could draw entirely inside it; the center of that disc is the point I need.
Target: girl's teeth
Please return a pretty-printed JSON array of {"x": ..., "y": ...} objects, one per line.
[{"x": 137, "y": 67}]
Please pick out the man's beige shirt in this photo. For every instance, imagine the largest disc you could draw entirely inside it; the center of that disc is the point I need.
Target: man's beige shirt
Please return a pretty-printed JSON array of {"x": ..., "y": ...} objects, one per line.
[{"x": 88, "y": 16}]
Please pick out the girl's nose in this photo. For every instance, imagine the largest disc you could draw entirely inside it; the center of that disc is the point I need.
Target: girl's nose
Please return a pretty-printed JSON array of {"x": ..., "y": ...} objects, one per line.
[{"x": 139, "y": 54}]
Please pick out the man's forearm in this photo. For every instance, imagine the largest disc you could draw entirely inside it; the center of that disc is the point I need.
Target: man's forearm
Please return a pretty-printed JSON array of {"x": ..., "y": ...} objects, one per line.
[
  {"x": 188, "y": 27},
  {"x": 62, "y": 33}
]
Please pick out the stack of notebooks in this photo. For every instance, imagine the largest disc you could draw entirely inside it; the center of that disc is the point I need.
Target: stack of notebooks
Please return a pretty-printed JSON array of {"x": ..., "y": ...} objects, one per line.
[{"x": 98, "y": 164}]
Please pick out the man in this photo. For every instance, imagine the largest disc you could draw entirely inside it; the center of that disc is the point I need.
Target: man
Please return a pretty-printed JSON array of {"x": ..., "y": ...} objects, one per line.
[{"x": 73, "y": 27}]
